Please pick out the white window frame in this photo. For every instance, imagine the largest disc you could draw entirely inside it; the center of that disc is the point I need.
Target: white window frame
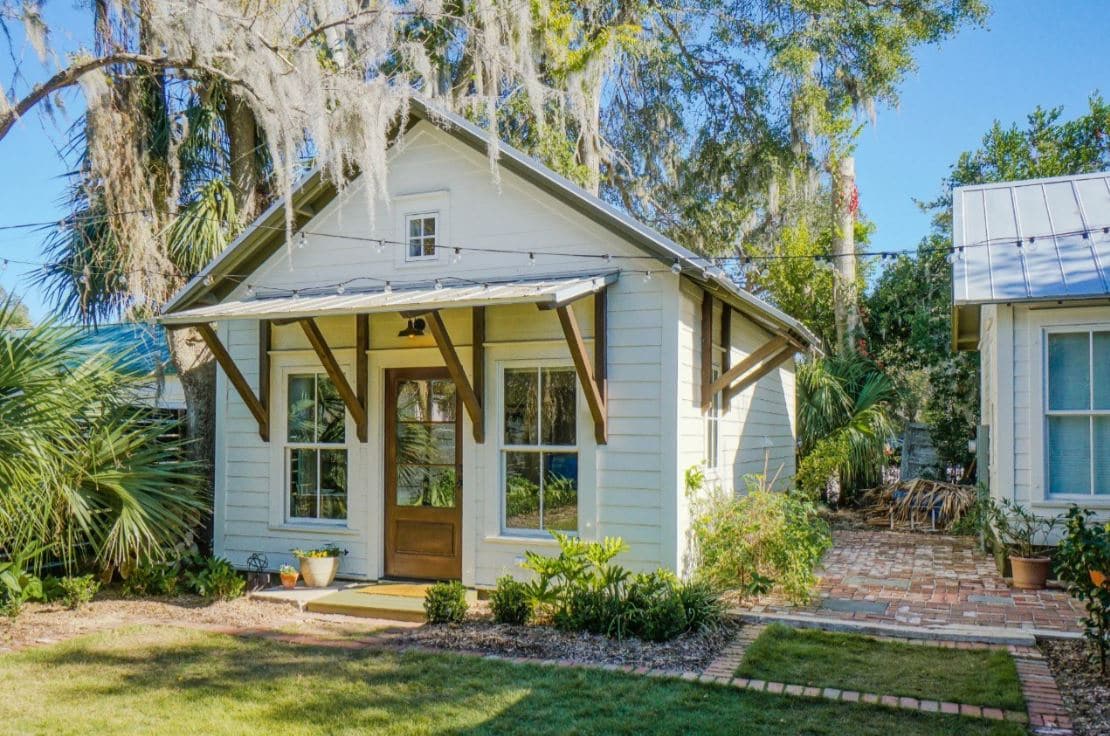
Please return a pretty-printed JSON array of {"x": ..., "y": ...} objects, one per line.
[
  {"x": 1090, "y": 413},
  {"x": 713, "y": 424},
  {"x": 284, "y": 446},
  {"x": 437, "y": 246},
  {"x": 503, "y": 448}
]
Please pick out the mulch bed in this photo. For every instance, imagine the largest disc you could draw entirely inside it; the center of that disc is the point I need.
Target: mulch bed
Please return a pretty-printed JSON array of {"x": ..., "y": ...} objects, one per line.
[
  {"x": 687, "y": 652},
  {"x": 1085, "y": 692}
]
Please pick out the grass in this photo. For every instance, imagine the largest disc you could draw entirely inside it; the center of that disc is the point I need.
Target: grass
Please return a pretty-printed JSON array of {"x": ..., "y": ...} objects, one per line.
[
  {"x": 178, "y": 681},
  {"x": 853, "y": 662}
]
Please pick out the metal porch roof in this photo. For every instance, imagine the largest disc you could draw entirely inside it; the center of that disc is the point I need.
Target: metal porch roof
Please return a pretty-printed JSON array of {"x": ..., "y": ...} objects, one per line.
[
  {"x": 448, "y": 294},
  {"x": 1032, "y": 240}
]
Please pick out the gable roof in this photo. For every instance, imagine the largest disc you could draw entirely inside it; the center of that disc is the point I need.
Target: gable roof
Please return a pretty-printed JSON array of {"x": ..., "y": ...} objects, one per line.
[
  {"x": 1028, "y": 241},
  {"x": 266, "y": 235}
]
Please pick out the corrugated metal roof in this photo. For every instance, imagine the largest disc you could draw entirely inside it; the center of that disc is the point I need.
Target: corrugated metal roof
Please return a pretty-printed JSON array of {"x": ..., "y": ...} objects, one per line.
[
  {"x": 1032, "y": 240},
  {"x": 449, "y": 295}
]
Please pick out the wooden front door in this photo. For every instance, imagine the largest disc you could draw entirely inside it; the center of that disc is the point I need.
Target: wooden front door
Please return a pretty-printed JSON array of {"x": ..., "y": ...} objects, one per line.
[{"x": 423, "y": 475}]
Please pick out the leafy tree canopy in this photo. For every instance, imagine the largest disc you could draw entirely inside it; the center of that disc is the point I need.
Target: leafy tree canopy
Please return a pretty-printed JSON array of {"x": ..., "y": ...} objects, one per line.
[
  {"x": 18, "y": 316},
  {"x": 910, "y": 307}
]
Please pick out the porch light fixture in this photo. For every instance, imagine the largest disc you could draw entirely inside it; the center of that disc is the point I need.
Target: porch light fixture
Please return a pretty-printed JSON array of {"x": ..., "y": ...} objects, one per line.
[{"x": 415, "y": 328}]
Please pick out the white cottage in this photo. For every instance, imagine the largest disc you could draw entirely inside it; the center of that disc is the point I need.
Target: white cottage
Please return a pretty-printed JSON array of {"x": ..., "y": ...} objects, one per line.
[
  {"x": 484, "y": 360},
  {"x": 1032, "y": 294}
]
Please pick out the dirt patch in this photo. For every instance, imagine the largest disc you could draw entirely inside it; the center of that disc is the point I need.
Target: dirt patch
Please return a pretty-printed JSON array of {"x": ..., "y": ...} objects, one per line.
[
  {"x": 1085, "y": 692},
  {"x": 40, "y": 624},
  {"x": 687, "y": 652}
]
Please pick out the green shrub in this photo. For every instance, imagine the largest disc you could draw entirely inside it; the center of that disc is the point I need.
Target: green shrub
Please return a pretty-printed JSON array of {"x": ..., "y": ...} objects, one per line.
[
  {"x": 17, "y": 585},
  {"x": 445, "y": 603},
  {"x": 582, "y": 589},
  {"x": 509, "y": 601},
  {"x": 1086, "y": 548},
  {"x": 76, "y": 591},
  {"x": 751, "y": 542},
  {"x": 828, "y": 458},
  {"x": 216, "y": 579},
  {"x": 152, "y": 578},
  {"x": 702, "y": 604}
]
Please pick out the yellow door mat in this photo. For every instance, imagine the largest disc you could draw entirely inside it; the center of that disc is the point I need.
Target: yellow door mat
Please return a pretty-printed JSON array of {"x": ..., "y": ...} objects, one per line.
[{"x": 404, "y": 590}]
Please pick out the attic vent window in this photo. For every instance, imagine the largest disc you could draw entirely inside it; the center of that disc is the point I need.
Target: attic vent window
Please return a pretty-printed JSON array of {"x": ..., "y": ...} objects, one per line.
[{"x": 422, "y": 229}]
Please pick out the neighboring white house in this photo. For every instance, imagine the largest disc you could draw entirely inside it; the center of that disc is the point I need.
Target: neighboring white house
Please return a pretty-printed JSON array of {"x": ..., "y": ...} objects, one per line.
[
  {"x": 439, "y": 383},
  {"x": 1032, "y": 293}
]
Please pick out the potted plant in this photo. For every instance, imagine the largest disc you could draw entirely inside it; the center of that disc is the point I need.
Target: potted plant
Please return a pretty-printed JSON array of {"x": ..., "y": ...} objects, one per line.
[
  {"x": 289, "y": 575},
  {"x": 1019, "y": 529},
  {"x": 319, "y": 566}
]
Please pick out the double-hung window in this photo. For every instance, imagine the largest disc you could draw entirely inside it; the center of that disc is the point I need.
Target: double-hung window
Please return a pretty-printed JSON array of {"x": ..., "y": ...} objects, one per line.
[
  {"x": 315, "y": 449},
  {"x": 422, "y": 229},
  {"x": 539, "y": 450},
  {"x": 1077, "y": 413}
]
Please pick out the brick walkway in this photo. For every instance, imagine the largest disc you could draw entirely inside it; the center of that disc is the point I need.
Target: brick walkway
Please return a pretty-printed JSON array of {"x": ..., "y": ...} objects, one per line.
[{"x": 923, "y": 580}]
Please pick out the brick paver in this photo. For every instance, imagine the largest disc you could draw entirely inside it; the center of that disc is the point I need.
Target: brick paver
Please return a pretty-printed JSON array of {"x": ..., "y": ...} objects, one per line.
[{"x": 923, "y": 580}]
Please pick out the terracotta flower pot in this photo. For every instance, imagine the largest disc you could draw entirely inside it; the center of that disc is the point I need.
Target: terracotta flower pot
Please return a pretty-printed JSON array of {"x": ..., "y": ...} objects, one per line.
[
  {"x": 1030, "y": 573},
  {"x": 318, "y": 572},
  {"x": 289, "y": 580}
]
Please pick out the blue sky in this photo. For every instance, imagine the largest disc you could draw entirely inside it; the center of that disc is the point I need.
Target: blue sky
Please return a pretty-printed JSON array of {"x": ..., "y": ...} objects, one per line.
[{"x": 1033, "y": 52}]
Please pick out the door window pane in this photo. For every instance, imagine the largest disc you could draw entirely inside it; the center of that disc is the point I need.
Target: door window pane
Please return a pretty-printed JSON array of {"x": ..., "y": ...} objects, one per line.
[
  {"x": 1101, "y": 363},
  {"x": 1069, "y": 454},
  {"x": 559, "y": 407},
  {"x": 412, "y": 401},
  {"x": 422, "y": 485},
  {"x": 443, "y": 401},
  {"x": 521, "y": 406},
  {"x": 1069, "y": 380},
  {"x": 522, "y": 490}
]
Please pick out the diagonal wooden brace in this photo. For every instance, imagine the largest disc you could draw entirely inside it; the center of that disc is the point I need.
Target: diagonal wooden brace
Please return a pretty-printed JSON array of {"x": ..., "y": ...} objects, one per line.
[
  {"x": 458, "y": 374},
  {"x": 774, "y": 351},
  {"x": 594, "y": 397},
  {"x": 335, "y": 373},
  {"x": 219, "y": 352}
]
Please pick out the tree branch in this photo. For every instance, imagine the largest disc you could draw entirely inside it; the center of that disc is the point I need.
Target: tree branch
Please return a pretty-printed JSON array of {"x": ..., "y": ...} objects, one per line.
[{"x": 72, "y": 74}]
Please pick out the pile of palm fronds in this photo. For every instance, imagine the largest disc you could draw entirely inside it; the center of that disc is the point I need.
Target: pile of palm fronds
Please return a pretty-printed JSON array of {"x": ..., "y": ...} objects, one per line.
[{"x": 908, "y": 503}]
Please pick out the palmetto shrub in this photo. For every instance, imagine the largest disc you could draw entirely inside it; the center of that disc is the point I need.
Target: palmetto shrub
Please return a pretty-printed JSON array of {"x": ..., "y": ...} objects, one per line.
[
  {"x": 844, "y": 418},
  {"x": 86, "y": 477}
]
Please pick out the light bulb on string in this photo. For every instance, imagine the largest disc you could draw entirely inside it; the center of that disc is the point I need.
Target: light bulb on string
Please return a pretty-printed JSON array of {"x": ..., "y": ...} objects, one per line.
[
  {"x": 250, "y": 290},
  {"x": 531, "y": 260},
  {"x": 1032, "y": 244},
  {"x": 647, "y": 276},
  {"x": 388, "y": 288},
  {"x": 341, "y": 289},
  {"x": 302, "y": 239},
  {"x": 457, "y": 255},
  {"x": 439, "y": 285},
  {"x": 380, "y": 246},
  {"x": 676, "y": 267}
]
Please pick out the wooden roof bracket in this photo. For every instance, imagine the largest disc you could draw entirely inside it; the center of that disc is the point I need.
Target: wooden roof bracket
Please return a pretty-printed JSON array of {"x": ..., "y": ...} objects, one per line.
[
  {"x": 470, "y": 398},
  {"x": 763, "y": 360},
  {"x": 592, "y": 380},
  {"x": 355, "y": 401},
  {"x": 257, "y": 406}
]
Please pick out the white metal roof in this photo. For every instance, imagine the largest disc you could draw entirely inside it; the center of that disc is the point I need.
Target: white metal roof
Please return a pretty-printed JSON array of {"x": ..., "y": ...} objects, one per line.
[
  {"x": 450, "y": 294},
  {"x": 1062, "y": 225}
]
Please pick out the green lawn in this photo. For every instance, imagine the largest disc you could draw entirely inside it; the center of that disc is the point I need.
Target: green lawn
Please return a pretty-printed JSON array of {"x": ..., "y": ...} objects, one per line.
[
  {"x": 851, "y": 662},
  {"x": 175, "y": 681}
]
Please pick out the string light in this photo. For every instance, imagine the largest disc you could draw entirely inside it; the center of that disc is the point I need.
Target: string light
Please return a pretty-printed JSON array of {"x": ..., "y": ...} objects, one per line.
[
  {"x": 676, "y": 267},
  {"x": 388, "y": 288},
  {"x": 457, "y": 255},
  {"x": 340, "y": 290},
  {"x": 302, "y": 239},
  {"x": 531, "y": 260},
  {"x": 647, "y": 276},
  {"x": 439, "y": 285},
  {"x": 251, "y": 291}
]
